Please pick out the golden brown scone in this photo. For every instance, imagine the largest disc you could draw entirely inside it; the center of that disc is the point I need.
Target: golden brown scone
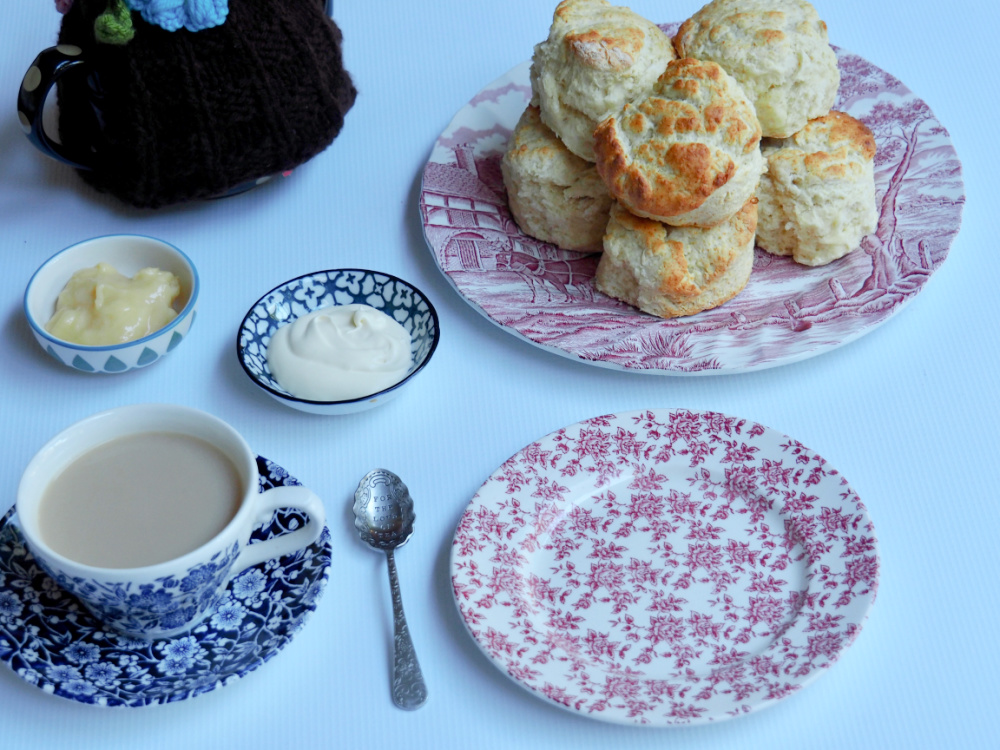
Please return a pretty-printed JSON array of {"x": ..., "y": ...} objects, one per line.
[
  {"x": 688, "y": 153},
  {"x": 672, "y": 271},
  {"x": 776, "y": 49},
  {"x": 554, "y": 195},
  {"x": 817, "y": 198},
  {"x": 597, "y": 57}
]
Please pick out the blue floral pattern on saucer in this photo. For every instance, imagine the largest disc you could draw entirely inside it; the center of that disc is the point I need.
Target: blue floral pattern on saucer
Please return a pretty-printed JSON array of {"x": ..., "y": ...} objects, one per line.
[
  {"x": 166, "y": 606},
  {"x": 50, "y": 640}
]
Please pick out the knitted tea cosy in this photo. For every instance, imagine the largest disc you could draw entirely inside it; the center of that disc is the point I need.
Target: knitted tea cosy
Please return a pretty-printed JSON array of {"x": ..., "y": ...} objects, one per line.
[{"x": 176, "y": 115}]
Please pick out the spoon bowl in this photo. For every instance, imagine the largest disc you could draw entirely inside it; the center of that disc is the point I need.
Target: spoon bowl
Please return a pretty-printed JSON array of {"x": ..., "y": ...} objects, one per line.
[
  {"x": 383, "y": 510},
  {"x": 383, "y": 517}
]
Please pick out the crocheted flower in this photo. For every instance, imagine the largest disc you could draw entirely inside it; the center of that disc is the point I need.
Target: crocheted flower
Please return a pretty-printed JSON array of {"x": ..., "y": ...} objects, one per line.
[
  {"x": 193, "y": 15},
  {"x": 63, "y": 6}
]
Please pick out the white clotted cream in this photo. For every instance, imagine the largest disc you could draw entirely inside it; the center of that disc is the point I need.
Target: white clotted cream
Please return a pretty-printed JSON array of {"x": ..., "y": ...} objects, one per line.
[{"x": 339, "y": 353}]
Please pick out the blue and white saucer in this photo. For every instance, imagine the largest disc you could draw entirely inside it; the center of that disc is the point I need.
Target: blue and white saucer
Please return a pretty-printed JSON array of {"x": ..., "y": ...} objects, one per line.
[{"x": 50, "y": 640}]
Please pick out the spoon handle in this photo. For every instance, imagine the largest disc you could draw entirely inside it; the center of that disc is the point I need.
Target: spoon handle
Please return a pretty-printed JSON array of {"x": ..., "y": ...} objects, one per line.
[{"x": 408, "y": 688}]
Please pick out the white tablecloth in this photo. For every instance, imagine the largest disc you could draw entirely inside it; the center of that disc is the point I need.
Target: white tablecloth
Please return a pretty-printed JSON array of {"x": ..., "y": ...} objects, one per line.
[{"x": 908, "y": 413}]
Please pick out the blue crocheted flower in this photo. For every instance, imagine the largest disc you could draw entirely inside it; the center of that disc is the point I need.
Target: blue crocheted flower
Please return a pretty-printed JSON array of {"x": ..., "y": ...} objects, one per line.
[{"x": 193, "y": 15}]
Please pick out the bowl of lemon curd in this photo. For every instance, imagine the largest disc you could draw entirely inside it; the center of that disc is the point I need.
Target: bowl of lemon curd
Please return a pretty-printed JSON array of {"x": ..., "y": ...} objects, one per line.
[
  {"x": 112, "y": 304},
  {"x": 338, "y": 341}
]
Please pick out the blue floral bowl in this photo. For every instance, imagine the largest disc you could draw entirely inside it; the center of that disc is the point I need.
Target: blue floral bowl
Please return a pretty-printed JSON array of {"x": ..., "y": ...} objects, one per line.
[
  {"x": 127, "y": 253},
  {"x": 302, "y": 295}
]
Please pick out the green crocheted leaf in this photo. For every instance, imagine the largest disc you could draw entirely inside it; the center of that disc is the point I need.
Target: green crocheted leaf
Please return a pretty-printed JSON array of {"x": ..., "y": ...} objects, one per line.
[{"x": 114, "y": 26}]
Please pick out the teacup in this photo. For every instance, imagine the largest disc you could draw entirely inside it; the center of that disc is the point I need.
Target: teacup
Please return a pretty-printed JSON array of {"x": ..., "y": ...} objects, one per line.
[{"x": 164, "y": 569}]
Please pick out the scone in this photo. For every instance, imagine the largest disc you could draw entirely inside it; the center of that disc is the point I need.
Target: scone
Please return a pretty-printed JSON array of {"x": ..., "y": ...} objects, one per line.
[
  {"x": 688, "y": 153},
  {"x": 672, "y": 271},
  {"x": 597, "y": 57},
  {"x": 554, "y": 195},
  {"x": 776, "y": 49},
  {"x": 817, "y": 198}
]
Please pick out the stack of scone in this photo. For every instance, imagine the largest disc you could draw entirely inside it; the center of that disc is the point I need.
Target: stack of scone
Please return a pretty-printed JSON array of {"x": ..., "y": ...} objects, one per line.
[
  {"x": 664, "y": 188},
  {"x": 650, "y": 150}
]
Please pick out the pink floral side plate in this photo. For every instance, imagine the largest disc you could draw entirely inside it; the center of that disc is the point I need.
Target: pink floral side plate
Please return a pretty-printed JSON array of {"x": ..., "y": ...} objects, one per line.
[
  {"x": 786, "y": 313},
  {"x": 664, "y": 567}
]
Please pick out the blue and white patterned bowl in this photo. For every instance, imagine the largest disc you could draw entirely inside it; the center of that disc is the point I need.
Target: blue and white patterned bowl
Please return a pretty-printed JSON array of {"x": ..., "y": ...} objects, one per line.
[
  {"x": 304, "y": 294},
  {"x": 128, "y": 253}
]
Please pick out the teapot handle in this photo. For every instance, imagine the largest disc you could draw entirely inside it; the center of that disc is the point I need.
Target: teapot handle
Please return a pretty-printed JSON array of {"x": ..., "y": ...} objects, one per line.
[{"x": 48, "y": 67}]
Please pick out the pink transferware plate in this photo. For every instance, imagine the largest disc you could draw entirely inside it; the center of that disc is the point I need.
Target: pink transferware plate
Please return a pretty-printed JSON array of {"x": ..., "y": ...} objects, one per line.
[
  {"x": 786, "y": 313},
  {"x": 664, "y": 567}
]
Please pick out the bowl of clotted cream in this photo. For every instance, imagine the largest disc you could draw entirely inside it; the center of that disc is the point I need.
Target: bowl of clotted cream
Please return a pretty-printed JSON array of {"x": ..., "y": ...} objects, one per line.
[
  {"x": 112, "y": 304},
  {"x": 338, "y": 341}
]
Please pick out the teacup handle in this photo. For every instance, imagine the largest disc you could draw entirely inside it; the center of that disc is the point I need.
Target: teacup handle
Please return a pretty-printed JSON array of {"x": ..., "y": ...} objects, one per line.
[
  {"x": 48, "y": 67},
  {"x": 290, "y": 496}
]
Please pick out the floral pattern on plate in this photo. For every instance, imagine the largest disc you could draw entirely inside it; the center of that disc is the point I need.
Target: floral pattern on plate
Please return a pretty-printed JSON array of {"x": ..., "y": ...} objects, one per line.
[
  {"x": 786, "y": 313},
  {"x": 50, "y": 640},
  {"x": 664, "y": 567}
]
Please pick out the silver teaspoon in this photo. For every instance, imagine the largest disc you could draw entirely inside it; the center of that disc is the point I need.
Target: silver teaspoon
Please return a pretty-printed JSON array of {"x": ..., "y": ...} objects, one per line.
[{"x": 383, "y": 516}]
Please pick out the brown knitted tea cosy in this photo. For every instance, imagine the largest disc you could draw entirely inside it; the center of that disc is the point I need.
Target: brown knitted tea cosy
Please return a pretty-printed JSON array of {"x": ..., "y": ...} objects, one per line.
[{"x": 179, "y": 115}]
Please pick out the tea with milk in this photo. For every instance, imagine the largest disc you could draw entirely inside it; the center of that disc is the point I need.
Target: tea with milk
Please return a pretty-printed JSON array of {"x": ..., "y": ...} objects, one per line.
[{"x": 140, "y": 500}]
